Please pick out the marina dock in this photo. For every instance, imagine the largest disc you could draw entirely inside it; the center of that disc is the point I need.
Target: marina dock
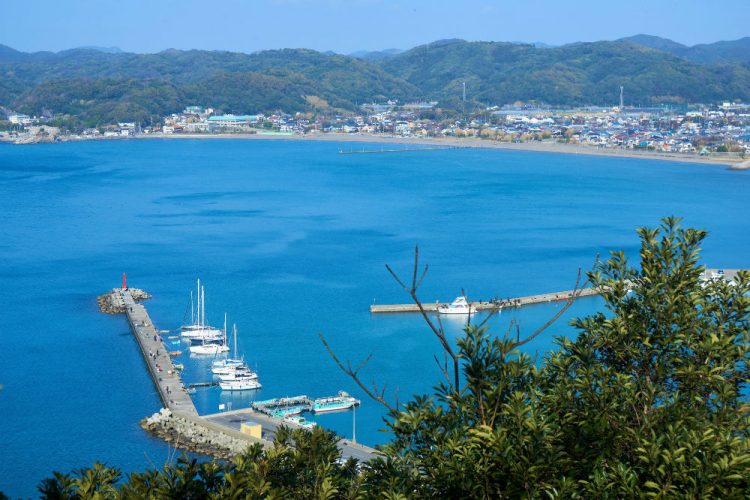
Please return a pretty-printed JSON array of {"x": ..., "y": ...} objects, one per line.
[
  {"x": 166, "y": 378},
  {"x": 222, "y": 429},
  {"x": 486, "y": 306}
]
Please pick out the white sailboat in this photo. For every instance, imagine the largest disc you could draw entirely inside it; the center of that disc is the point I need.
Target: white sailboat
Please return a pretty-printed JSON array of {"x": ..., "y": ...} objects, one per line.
[
  {"x": 216, "y": 346},
  {"x": 198, "y": 329},
  {"x": 229, "y": 366}
]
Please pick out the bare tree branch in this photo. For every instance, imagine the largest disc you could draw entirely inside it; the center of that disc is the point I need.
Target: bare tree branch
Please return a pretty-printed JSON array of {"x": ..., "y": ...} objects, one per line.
[
  {"x": 577, "y": 289},
  {"x": 443, "y": 368},
  {"x": 396, "y": 278},
  {"x": 375, "y": 394}
]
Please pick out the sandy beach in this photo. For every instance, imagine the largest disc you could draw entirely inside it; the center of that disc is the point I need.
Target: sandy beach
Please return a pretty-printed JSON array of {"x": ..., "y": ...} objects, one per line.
[{"x": 471, "y": 142}]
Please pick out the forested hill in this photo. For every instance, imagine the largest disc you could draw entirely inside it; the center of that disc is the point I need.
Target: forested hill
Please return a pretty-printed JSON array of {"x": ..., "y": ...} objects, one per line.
[
  {"x": 99, "y": 87},
  {"x": 575, "y": 74}
]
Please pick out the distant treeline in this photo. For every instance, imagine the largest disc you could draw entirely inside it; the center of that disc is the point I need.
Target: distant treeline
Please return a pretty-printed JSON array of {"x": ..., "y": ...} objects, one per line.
[{"x": 95, "y": 88}]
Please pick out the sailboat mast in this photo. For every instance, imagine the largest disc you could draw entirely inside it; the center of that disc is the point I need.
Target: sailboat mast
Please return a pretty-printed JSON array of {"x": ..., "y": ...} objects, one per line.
[
  {"x": 234, "y": 332},
  {"x": 192, "y": 309},
  {"x": 198, "y": 310},
  {"x": 203, "y": 306},
  {"x": 225, "y": 328}
]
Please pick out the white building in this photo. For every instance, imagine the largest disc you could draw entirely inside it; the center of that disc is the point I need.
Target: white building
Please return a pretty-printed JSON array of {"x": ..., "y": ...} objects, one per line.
[
  {"x": 232, "y": 122},
  {"x": 18, "y": 119}
]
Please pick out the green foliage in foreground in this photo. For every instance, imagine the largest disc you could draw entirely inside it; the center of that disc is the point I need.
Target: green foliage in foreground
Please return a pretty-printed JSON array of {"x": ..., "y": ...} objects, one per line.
[{"x": 647, "y": 401}]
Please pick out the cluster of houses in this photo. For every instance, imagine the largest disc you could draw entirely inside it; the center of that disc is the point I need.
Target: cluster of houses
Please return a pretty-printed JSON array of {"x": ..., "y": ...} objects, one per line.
[{"x": 702, "y": 129}]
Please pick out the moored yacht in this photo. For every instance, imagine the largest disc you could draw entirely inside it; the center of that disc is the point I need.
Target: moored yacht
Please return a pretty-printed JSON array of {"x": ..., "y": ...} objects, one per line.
[
  {"x": 198, "y": 329},
  {"x": 458, "y": 306},
  {"x": 212, "y": 345},
  {"x": 243, "y": 384}
]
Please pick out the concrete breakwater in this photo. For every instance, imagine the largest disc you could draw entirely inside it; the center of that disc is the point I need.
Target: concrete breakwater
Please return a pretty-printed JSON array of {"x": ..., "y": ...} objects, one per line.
[
  {"x": 113, "y": 302},
  {"x": 196, "y": 435}
]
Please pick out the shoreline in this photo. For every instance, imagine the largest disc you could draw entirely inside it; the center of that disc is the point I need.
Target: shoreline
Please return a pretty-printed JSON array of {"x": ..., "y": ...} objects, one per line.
[
  {"x": 476, "y": 143},
  {"x": 733, "y": 162}
]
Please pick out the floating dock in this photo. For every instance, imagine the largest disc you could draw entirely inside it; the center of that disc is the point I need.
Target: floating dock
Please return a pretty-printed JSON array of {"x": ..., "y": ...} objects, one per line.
[{"x": 156, "y": 355}]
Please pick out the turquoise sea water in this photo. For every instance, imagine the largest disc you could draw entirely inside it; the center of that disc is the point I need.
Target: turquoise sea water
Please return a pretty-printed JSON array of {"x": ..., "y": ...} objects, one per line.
[{"x": 291, "y": 240}]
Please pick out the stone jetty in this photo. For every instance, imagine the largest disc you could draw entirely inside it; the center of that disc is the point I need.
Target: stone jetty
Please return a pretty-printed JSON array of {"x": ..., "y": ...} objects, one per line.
[{"x": 113, "y": 302}]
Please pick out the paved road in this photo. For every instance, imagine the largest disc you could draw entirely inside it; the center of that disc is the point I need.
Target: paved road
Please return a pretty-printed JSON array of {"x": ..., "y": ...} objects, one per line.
[{"x": 233, "y": 420}]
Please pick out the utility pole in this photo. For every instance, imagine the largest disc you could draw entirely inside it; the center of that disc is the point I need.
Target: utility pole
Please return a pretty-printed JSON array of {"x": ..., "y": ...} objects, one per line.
[{"x": 354, "y": 424}]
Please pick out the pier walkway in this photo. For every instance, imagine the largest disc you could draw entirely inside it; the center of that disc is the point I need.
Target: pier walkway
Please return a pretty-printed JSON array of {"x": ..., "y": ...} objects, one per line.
[
  {"x": 487, "y": 306},
  {"x": 155, "y": 354},
  {"x": 708, "y": 274}
]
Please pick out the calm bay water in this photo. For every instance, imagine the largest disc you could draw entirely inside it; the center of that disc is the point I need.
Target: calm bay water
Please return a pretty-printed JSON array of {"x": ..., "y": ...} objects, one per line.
[{"x": 290, "y": 239}]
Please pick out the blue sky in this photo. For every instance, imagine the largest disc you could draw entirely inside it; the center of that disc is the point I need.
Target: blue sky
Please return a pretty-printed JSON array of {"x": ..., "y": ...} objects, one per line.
[{"x": 348, "y": 25}]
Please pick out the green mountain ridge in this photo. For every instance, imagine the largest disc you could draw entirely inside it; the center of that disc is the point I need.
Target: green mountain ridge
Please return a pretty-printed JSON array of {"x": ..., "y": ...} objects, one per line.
[{"x": 96, "y": 87}]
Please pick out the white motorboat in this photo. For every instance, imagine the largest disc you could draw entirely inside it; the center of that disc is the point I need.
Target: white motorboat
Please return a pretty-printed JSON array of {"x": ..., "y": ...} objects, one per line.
[
  {"x": 243, "y": 384},
  {"x": 208, "y": 349},
  {"x": 226, "y": 366},
  {"x": 239, "y": 373},
  {"x": 301, "y": 421},
  {"x": 458, "y": 306}
]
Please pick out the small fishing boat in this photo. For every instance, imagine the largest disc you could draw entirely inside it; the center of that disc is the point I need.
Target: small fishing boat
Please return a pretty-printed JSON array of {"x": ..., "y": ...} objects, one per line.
[
  {"x": 297, "y": 420},
  {"x": 458, "y": 306},
  {"x": 340, "y": 402},
  {"x": 175, "y": 353},
  {"x": 288, "y": 411}
]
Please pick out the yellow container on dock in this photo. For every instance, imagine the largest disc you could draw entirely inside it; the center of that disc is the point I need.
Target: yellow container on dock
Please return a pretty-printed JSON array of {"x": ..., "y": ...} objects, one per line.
[{"x": 251, "y": 429}]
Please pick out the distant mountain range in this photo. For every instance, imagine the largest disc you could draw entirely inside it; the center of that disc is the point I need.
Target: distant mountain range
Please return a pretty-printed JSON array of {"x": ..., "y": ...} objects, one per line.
[
  {"x": 710, "y": 53},
  {"x": 95, "y": 85}
]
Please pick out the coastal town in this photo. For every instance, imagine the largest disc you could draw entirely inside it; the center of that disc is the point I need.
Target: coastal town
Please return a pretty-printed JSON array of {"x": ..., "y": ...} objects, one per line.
[{"x": 699, "y": 130}]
